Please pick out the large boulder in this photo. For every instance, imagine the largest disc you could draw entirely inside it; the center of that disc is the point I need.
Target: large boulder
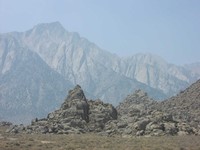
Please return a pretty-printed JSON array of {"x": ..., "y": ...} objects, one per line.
[
  {"x": 76, "y": 104},
  {"x": 100, "y": 114},
  {"x": 72, "y": 117}
]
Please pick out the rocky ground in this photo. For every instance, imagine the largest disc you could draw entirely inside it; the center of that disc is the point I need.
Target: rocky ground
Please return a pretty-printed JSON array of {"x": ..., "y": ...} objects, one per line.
[
  {"x": 136, "y": 123},
  {"x": 22, "y": 141}
]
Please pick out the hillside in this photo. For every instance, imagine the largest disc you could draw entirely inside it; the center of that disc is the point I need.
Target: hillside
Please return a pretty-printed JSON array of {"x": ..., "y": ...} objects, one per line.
[{"x": 185, "y": 105}]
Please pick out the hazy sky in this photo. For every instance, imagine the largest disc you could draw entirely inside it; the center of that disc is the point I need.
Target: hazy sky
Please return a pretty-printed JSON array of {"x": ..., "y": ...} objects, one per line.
[{"x": 169, "y": 28}]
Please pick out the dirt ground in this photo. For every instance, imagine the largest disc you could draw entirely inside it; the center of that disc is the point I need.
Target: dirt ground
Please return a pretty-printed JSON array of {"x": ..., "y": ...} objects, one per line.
[{"x": 94, "y": 142}]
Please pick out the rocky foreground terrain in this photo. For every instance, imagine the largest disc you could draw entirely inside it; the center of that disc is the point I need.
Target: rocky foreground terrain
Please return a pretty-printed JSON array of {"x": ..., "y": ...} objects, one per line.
[
  {"x": 91, "y": 141},
  {"x": 138, "y": 122},
  {"x": 137, "y": 115}
]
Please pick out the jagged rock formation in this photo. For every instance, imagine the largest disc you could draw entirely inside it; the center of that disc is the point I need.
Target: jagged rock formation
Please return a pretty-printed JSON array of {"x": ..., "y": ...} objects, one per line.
[
  {"x": 177, "y": 115},
  {"x": 137, "y": 115},
  {"x": 144, "y": 116},
  {"x": 76, "y": 115}
]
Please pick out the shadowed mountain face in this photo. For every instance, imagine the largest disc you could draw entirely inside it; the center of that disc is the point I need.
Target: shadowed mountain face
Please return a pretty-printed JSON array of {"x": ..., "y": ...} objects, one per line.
[
  {"x": 29, "y": 87},
  {"x": 38, "y": 66}
]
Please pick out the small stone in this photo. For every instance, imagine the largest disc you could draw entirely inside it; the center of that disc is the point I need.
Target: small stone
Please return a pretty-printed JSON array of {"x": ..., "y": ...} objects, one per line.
[
  {"x": 122, "y": 124},
  {"x": 140, "y": 133},
  {"x": 182, "y": 133}
]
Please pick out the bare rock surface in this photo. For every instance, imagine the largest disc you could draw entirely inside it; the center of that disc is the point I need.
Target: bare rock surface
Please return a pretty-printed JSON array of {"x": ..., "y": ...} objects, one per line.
[
  {"x": 76, "y": 115},
  {"x": 137, "y": 115}
]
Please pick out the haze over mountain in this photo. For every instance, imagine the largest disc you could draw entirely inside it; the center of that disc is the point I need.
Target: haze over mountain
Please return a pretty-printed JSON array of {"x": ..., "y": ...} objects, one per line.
[
  {"x": 146, "y": 68},
  {"x": 29, "y": 87},
  {"x": 40, "y": 65},
  {"x": 169, "y": 28}
]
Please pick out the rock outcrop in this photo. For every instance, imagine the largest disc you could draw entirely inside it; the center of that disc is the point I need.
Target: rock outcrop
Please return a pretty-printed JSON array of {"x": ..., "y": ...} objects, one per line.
[
  {"x": 178, "y": 115},
  {"x": 76, "y": 115},
  {"x": 137, "y": 118},
  {"x": 5, "y": 123},
  {"x": 137, "y": 115}
]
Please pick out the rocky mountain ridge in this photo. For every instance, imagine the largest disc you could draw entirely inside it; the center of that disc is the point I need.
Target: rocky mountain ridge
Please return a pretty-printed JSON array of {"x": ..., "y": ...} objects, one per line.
[
  {"x": 64, "y": 51},
  {"x": 152, "y": 70},
  {"x": 73, "y": 57},
  {"x": 137, "y": 115},
  {"x": 39, "y": 65}
]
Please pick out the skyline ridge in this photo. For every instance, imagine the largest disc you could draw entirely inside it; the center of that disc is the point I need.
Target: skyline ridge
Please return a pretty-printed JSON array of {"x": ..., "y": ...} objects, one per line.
[
  {"x": 58, "y": 24},
  {"x": 167, "y": 28}
]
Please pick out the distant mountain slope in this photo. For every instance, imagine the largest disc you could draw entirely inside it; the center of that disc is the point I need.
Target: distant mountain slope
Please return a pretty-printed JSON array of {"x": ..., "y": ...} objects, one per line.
[
  {"x": 28, "y": 87},
  {"x": 82, "y": 62},
  {"x": 157, "y": 73},
  {"x": 76, "y": 59},
  {"x": 194, "y": 69}
]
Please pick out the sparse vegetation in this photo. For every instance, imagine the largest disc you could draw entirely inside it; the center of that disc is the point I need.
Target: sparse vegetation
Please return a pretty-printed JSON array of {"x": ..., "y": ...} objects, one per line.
[{"x": 95, "y": 142}]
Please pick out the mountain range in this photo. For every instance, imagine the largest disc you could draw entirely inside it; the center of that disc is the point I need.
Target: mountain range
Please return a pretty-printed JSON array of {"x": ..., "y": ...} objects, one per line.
[{"x": 39, "y": 66}]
